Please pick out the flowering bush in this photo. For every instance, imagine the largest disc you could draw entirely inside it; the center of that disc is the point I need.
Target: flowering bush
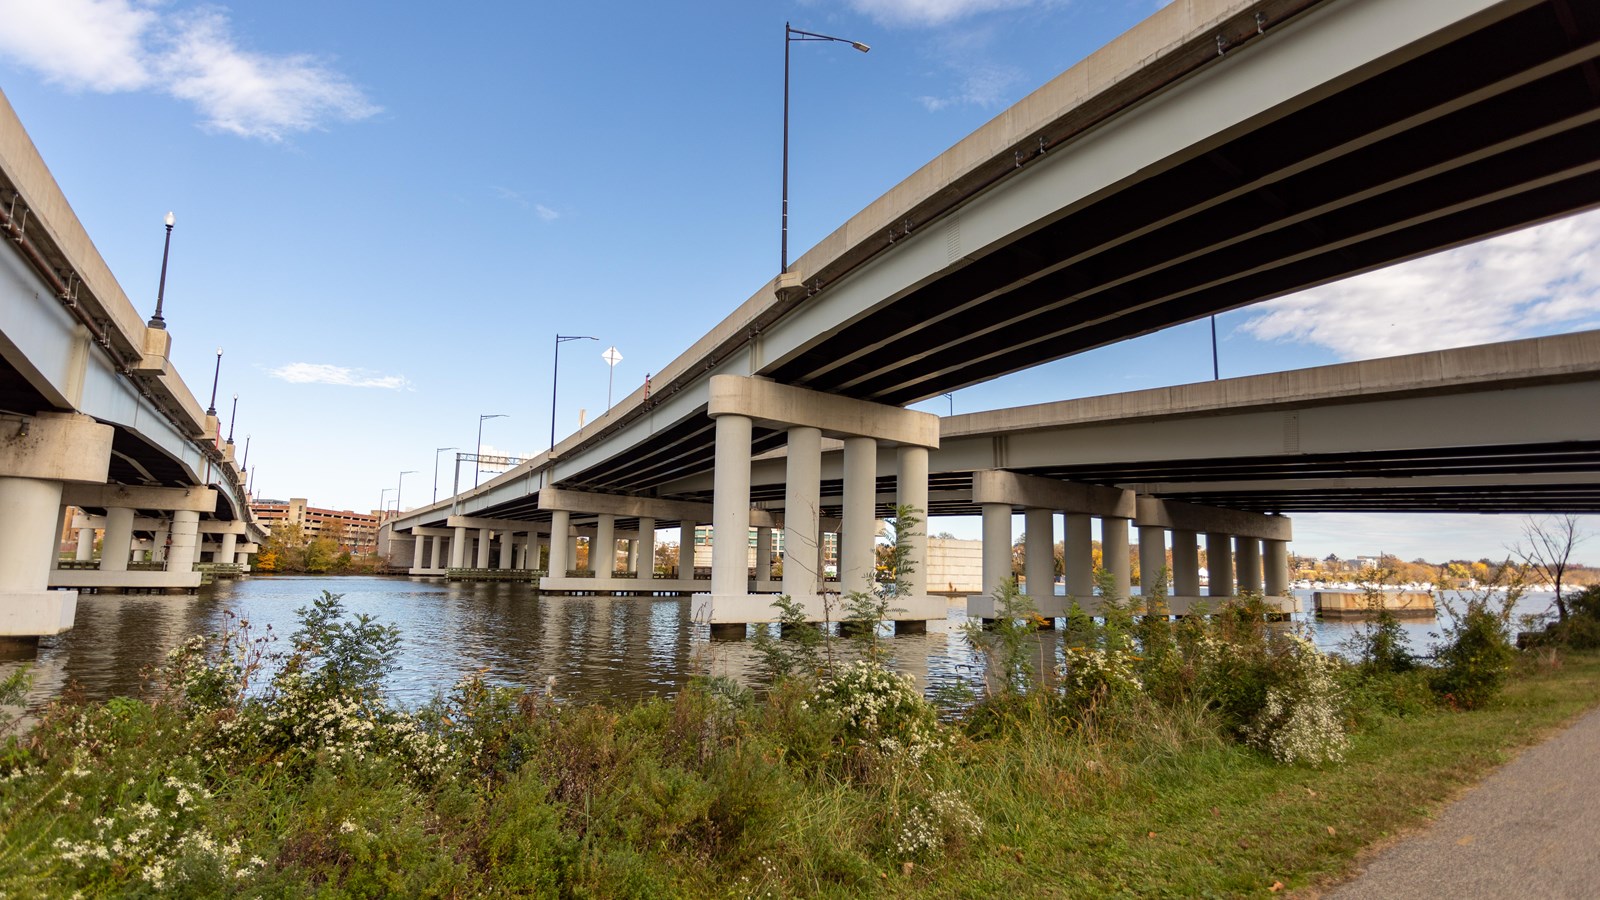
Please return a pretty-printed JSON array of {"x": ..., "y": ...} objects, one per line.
[
  {"x": 880, "y": 710},
  {"x": 1094, "y": 675},
  {"x": 1303, "y": 717},
  {"x": 927, "y": 826}
]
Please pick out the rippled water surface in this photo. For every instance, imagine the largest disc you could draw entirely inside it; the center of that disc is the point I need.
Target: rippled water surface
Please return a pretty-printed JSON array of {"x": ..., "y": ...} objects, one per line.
[{"x": 598, "y": 648}]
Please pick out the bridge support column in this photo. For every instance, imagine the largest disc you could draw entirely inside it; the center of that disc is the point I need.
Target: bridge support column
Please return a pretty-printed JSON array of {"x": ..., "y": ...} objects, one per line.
[
  {"x": 911, "y": 488},
  {"x": 1247, "y": 552},
  {"x": 485, "y": 537},
  {"x": 560, "y": 525},
  {"x": 419, "y": 546},
  {"x": 1185, "y": 564},
  {"x": 763, "y": 554},
  {"x": 686, "y": 549},
  {"x": 85, "y": 549},
  {"x": 1078, "y": 555},
  {"x": 802, "y": 501},
  {"x": 508, "y": 542},
  {"x": 39, "y": 455},
  {"x": 603, "y": 547},
  {"x": 1114, "y": 553},
  {"x": 1152, "y": 560},
  {"x": 730, "y": 508},
  {"x": 458, "y": 548},
  {"x": 1219, "y": 564},
  {"x": 644, "y": 554},
  {"x": 230, "y": 543},
  {"x": 996, "y": 546},
  {"x": 436, "y": 550},
  {"x": 1275, "y": 565},
  {"x": 1039, "y": 553},
  {"x": 857, "y": 530},
  {"x": 158, "y": 547},
  {"x": 185, "y": 537}
]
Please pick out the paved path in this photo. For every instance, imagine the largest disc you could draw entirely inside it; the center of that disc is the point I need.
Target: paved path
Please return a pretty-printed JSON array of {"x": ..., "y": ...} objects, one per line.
[{"x": 1532, "y": 829}]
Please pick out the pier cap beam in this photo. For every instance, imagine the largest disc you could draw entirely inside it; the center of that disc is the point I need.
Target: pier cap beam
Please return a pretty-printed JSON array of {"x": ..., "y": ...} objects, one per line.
[
  {"x": 1018, "y": 490},
  {"x": 782, "y": 406},
  {"x": 633, "y": 507},
  {"x": 134, "y": 496},
  {"x": 1154, "y": 512}
]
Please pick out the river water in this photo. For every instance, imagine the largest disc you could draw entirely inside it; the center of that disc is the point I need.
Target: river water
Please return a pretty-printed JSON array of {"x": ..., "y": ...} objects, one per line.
[{"x": 598, "y": 648}]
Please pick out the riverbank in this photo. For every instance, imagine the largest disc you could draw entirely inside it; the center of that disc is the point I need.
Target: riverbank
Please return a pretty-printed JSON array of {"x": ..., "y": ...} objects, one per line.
[{"x": 223, "y": 782}]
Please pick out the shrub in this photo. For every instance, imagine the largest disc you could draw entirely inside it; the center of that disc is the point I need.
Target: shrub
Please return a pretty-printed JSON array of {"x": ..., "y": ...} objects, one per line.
[
  {"x": 1302, "y": 718},
  {"x": 880, "y": 711},
  {"x": 1008, "y": 669},
  {"x": 1474, "y": 657}
]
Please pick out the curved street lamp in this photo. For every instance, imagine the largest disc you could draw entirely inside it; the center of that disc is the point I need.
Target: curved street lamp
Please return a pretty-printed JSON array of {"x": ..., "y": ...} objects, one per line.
[
  {"x": 400, "y": 484},
  {"x": 477, "y": 465},
  {"x": 436, "y": 452},
  {"x": 791, "y": 35},
  {"x": 560, "y": 339}
]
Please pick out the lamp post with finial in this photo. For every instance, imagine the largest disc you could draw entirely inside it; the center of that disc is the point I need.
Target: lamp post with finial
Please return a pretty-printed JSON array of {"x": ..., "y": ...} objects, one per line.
[
  {"x": 211, "y": 408},
  {"x": 161, "y": 290},
  {"x": 231, "y": 417}
]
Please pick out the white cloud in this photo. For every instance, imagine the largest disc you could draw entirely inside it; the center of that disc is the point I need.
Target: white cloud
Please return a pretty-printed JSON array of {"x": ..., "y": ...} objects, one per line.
[
  {"x": 1533, "y": 281},
  {"x": 982, "y": 85},
  {"x": 545, "y": 212},
  {"x": 110, "y": 46},
  {"x": 322, "y": 373},
  {"x": 508, "y": 194},
  {"x": 929, "y": 12}
]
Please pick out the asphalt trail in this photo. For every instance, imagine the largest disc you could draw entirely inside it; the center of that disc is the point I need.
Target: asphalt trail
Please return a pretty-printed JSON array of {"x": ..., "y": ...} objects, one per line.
[{"x": 1531, "y": 829}]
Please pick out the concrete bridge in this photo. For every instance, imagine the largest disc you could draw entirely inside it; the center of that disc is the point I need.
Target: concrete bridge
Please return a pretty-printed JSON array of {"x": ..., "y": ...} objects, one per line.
[
  {"x": 1220, "y": 153},
  {"x": 93, "y": 416}
]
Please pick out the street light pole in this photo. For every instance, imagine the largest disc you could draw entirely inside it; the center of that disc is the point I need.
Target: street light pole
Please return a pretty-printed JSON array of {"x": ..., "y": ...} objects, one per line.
[
  {"x": 232, "y": 416},
  {"x": 476, "y": 465},
  {"x": 400, "y": 484},
  {"x": 1216, "y": 374},
  {"x": 161, "y": 291},
  {"x": 560, "y": 339},
  {"x": 383, "y": 505},
  {"x": 790, "y": 35},
  {"x": 216, "y": 373},
  {"x": 436, "y": 452}
]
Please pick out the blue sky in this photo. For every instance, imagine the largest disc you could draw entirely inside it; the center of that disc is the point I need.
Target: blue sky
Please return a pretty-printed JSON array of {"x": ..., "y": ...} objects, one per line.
[{"x": 386, "y": 212}]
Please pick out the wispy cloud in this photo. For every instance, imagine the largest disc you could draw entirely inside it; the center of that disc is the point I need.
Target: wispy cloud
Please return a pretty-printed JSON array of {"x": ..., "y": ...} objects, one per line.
[
  {"x": 981, "y": 85},
  {"x": 111, "y": 46},
  {"x": 1535, "y": 281},
  {"x": 545, "y": 212},
  {"x": 506, "y": 193},
  {"x": 929, "y": 12},
  {"x": 323, "y": 373}
]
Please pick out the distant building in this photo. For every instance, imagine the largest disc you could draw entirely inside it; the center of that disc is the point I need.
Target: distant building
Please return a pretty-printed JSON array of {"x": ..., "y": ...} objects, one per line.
[{"x": 356, "y": 532}]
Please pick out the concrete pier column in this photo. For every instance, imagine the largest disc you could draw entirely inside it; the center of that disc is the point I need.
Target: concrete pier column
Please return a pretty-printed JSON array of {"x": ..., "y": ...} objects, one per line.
[
  {"x": 1114, "y": 553},
  {"x": 27, "y": 544},
  {"x": 572, "y": 554},
  {"x": 686, "y": 547},
  {"x": 1219, "y": 564},
  {"x": 911, "y": 488},
  {"x": 85, "y": 545},
  {"x": 730, "y": 508},
  {"x": 226, "y": 552},
  {"x": 116, "y": 543},
  {"x": 1275, "y": 568},
  {"x": 437, "y": 549},
  {"x": 1078, "y": 554},
  {"x": 1185, "y": 564},
  {"x": 485, "y": 537},
  {"x": 508, "y": 542},
  {"x": 1152, "y": 557},
  {"x": 603, "y": 547},
  {"x": 560, "y": 524},
  {"x": 763, "y": 554},
  {"x": 857, "y": 530},
  {"x": 419, "y": 546},
  {"x": 185, "y": 535},
  {"x": 241, "y": 558},
  {"x": 802, "y": 506},
  {"x": 644, "y": 554},
  {"x": 996, "y": 546},
  {"x": 1039, "y": 552},
  {"x": 158, "y": 547},
  {"x": 458, "y": 548},
  {"x": 1247, "y": 553}
]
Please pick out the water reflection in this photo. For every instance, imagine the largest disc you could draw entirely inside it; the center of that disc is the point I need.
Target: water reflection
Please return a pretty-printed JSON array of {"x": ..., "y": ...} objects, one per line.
[{"x": 598, "y": 648}]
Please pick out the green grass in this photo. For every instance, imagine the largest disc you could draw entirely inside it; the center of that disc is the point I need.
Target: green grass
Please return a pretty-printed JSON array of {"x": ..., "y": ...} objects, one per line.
[{"x": 717, "y": 792}]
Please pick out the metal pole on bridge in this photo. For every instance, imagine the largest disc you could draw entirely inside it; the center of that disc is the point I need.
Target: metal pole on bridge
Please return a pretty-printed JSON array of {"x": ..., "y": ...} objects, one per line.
[{"x": 436, "y": 452}]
